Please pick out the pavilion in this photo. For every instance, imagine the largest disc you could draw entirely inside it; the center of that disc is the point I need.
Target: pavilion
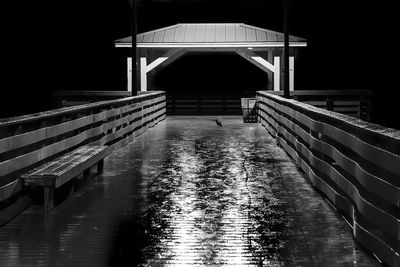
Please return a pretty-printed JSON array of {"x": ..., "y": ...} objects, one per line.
[{"x": 261, "y": 47}]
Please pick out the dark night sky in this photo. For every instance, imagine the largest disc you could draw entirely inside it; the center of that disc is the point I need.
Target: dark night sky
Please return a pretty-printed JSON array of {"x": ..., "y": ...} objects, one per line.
[{"x": 68, "y": 45}]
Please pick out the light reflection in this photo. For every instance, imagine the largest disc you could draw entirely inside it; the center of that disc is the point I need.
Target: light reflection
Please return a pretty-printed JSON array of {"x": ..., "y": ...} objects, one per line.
[{"x": 206, "y": 214}]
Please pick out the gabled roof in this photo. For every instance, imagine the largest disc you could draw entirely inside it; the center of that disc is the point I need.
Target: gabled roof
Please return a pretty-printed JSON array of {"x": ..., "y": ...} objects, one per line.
[{"x": 211, "y": 35}]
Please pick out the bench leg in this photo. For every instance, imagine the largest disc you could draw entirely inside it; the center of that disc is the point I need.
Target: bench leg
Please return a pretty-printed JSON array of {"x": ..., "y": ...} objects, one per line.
[
  {"x": 100, "y": 166},
  {"x": 48, "y": 199}
]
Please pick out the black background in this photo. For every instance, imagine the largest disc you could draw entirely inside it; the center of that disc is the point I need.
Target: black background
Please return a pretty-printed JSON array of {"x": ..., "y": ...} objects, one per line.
[{"x": 69, "y": 45}]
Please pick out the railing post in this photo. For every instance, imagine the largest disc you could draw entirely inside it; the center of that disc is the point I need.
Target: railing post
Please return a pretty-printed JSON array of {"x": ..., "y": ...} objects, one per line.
[
  {"x": 364, "y": 109},
  {"x": 329, "y": 104}
]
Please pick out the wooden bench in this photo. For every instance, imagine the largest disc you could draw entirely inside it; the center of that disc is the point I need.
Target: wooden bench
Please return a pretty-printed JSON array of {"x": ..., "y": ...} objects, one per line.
[{"x": 57, "y": 172}]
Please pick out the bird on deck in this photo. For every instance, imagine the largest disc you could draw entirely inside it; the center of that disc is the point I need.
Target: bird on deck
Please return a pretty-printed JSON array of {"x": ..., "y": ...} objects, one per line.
[{"x": 218, "y": 122}]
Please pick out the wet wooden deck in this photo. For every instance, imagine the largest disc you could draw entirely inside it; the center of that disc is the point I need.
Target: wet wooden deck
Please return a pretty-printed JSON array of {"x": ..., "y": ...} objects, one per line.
[{"x": 188, "y": 193}]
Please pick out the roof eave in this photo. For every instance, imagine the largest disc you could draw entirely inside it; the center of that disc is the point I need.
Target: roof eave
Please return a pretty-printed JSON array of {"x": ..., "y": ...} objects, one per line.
[{"x": 211, "y": 45}]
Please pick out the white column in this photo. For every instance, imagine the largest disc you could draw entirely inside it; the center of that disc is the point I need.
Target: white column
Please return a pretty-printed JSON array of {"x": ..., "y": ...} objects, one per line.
[
  {"x": 277, "y": 73},
  {"x": 143, "y": 74},
  {"x": 291, "y": 73},
  {"x": 144, "y": 69},
  {"x": 129, "y": 72}
]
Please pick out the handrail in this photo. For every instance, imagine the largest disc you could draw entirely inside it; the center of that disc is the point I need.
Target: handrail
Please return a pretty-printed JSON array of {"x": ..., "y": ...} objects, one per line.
[
  {"x": 65, "y": 110},
  {"x": 356, "y": 164},
  {"x": 333, "y": 92},
  {"x": 27, "y": 141}
]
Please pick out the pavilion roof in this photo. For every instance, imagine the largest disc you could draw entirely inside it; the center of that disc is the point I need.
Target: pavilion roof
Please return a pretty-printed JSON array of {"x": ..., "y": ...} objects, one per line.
[{"x": 211, "y": 35}]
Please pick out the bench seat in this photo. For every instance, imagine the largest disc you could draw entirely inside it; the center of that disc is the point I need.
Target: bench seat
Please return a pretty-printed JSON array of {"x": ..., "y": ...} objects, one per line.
[{"x": 57, "y": 172}]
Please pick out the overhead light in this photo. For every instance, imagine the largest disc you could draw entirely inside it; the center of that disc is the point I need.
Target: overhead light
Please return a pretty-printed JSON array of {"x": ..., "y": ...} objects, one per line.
[{"x": 250, "y": 48}]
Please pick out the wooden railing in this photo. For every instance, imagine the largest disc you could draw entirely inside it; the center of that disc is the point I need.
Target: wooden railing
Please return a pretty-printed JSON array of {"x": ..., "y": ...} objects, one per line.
[
  {"x": 177, "y": 104},
  {"x": 203, "y": 106},
  {"x": 355, "y": 103},
  {"x": 27, "y": 141},
  {"x": 356, "y": 164},
  {"x": 74, "y": 97}
]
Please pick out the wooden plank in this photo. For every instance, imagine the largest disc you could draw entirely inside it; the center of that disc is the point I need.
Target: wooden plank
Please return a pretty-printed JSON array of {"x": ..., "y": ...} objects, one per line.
[
  {"x": 210, "y": 33},
  {"x": 10, "y": 189},
  {"x": 370, "y": 182},
  {"x": 131, "y": 127},
  {"x": 77, "y": 169},
  {"x": 369, "y": 152},
  {"x": 85, "y": 153},
  {"x": 70, "y": 169},
  {"x": 315, "y": 103},
  {"x": 48, "y": 167},
  {"x": 346, "y": 109},
  {"x": 343, "y": 205},
  {"x": 373, "y": 213},
  {"x": 309, "y": 93},
  {"x": 200, "y": 33},
  {"x": 101, "y": 116},
  {"x": 91, "y": 93},
  {"x": 347, "y": 103},
  {"x": 21, "y": 140},
  {"x": 69, "y": 110},
  {"x": 33, "y": 157},
  {"x": 65, "y": 127},
  {"x": 113, "y": 112},
  {"x": 53, "y": 167}
]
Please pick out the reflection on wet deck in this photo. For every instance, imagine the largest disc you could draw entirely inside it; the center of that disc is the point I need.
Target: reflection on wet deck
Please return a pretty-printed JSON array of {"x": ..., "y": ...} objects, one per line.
[{"x": 188, "y": 193}]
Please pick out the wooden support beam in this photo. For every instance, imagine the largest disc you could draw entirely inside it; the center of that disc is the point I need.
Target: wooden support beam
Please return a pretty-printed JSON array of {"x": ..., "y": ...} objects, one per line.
[
  {"x": 264, "y": 65},
  {"x": 155, "y": 63},
  {"x": 144, "y": 69},
  {"x": 174, "y": 55},
  {"x": 163, "y": 61}
]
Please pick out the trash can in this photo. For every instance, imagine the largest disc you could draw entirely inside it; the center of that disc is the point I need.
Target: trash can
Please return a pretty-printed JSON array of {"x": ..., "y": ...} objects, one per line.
[{"x": 249, "y": 109}]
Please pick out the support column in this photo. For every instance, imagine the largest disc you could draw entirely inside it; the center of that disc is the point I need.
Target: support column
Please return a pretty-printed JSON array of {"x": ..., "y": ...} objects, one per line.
[
  {"x": 277, "y": 78},
  {"x": 129, "y": 72},
  {"x": 143, "y": 74},
  {"x": 159, "y": 61},
  {"x": 144, "y": 69},
  {"x": 274, "y": 68},
  {"x": 291, "y": 73}
]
